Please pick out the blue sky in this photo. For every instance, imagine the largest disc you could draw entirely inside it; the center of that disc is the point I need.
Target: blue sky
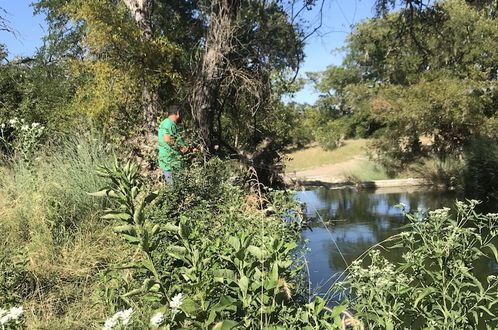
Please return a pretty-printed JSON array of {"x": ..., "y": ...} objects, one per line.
[
  {"x": 321, "y": 48},
  {"x": 338, "y": 17},
  {"x": 30, "y": 29}
]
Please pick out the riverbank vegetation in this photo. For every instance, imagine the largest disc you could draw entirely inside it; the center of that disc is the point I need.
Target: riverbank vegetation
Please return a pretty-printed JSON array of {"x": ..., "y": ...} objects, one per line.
[
  {"x": 83, "y": 245},
  {"x": 434, "y": 285},
  {"x": 93, "y": 240}
]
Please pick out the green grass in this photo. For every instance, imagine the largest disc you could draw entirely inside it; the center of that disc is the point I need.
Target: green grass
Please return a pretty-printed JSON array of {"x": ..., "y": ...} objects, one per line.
[
  {"x": 314, "y": 156},
  {"x": 366, "y": 170},
  {"x": 52, "y": 225}
]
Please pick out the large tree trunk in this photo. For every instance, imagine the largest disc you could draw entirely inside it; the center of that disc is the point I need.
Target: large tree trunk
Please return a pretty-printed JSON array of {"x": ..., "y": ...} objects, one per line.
[
  {"x": 141, "y": 12},
  {"x": 211, "y": 70}
]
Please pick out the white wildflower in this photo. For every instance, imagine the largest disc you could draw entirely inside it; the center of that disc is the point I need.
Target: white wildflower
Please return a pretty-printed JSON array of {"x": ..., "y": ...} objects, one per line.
[
  {"x": 12, "y": 314},
  {"x": 110, "y": 323},
  {"x": 24, "y": 127},
  {"x": 157, "y": 319},
  {"x": 176, "y": 301},
  {"x": 120, "y": 318},
  {"x": 3, "y": 125},
  {"x": 35, "y": 125},
  {"x": 126, "y": 316},
  {"x": 16, "y": 312},
  {"x": 13, "y": 121},
  {"x": 4, "y": 316}
]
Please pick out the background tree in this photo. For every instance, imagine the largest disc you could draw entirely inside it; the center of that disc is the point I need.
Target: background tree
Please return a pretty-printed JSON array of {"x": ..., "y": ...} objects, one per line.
[
  {"x": 436, "y": 80},
  {"x": 237, "y": 93}
]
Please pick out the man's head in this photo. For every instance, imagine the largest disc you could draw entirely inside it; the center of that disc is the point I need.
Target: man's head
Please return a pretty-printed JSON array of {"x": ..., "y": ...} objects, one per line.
[{"x": 174, "y": 112}]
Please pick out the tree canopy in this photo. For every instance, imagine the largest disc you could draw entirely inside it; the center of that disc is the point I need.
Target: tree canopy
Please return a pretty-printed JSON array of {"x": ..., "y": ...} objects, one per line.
[{"x": 437, "y": 79}]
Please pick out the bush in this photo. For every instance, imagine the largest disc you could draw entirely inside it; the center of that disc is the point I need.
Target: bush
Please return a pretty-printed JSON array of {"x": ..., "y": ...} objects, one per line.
[
  {"x": 212, "y": 258},
  {"x": 481, "y": 173},
  {"x": 435, "y": 285},
  {"x": 447, "y": 172},
  {"x": 331, "y": 135}
]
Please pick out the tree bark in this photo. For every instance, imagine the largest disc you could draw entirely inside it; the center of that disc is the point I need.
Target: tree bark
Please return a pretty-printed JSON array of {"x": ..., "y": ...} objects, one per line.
[
  {"x": 211, "y": 70},
  {"x": 141, "y": 12}
]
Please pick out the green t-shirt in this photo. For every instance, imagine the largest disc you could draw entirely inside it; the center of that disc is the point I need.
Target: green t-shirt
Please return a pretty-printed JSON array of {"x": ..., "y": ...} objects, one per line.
[{"x": 170, "y": 157}]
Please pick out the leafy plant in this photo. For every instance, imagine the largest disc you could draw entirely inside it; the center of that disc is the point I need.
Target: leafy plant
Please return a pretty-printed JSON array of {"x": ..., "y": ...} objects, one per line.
[
  {"x": 434, "y": 286},
  {"x": 15, "y": 280},
  {"x": 23, "y": 138},
  {"x": 192, "y": 273},
  {"x": 445, "y": 172},
  {"x": 125, "y": 189}
]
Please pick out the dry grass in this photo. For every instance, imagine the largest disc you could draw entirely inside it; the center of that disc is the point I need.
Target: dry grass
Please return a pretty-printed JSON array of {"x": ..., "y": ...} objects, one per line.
[
  {"x": 314, "y": 156},
  {"x": 51, "y": 225}
]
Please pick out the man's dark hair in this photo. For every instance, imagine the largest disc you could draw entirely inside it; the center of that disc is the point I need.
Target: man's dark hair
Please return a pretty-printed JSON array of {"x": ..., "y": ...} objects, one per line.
[{"x": 173, "y": 109}]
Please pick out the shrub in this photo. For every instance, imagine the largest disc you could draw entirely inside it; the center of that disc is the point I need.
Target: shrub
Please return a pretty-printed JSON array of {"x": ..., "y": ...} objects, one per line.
[
  {"x": 331, "y": 135},
  {"x": 481, "y": 173},
  {"x": 447, "y": 172},
  {"x": 212, "y": 258},
  {"x": 435, "y": 285},
  {"x": 21, "y": 138}
]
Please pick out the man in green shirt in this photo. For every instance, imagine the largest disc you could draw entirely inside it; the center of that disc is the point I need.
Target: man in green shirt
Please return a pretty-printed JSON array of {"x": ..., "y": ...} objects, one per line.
[{"x": 171, "y": 144}]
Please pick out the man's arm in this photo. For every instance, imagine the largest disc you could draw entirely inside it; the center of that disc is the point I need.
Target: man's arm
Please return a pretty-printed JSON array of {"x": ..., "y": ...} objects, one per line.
[
  {"x": 168, "y": 139},
  {"x": 171, "y": 141}
]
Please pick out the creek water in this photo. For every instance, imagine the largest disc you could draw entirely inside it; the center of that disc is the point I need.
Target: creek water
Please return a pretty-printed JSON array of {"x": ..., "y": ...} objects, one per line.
[{"x": 346, "y": 222}]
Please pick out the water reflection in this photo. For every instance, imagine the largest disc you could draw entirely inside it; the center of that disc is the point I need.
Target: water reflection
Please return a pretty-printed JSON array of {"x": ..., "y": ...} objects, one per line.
[{"x": 354, "y": 221}]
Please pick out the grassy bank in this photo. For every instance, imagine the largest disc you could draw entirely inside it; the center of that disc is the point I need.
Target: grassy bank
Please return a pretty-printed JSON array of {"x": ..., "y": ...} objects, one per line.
[
  {"x": 347, "y": 163},
  {"x": 201, "y": 253},
  {"x": 314, "y": 156},
  {"x": 54, "y": 245}
]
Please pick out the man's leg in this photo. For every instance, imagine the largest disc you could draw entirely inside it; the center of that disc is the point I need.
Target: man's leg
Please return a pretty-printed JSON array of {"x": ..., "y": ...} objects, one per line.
[{"x": 168, "y": 176}]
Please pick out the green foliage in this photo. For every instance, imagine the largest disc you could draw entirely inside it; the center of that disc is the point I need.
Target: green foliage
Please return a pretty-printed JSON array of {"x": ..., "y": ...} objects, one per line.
[
  {"x": 204, "y": 261},
  {"x": 38, "y": 89},
  {"x": 434, "y": 285},
  {"x": 23, "y": 139},
  {"x": 443, "y": 172},
  {"x": 425, "y": 71},
  {"x": 98, "y": 44},
  {"x": 122, "y": 63},
  {"x": 330, "y": 136},
  {"x": 15, "y": 281},
  {"x": 481, "y": 172}
]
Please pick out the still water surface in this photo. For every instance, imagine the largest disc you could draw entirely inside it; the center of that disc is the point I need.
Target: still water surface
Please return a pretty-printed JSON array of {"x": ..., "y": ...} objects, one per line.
[{"x": 346, "y": 222}]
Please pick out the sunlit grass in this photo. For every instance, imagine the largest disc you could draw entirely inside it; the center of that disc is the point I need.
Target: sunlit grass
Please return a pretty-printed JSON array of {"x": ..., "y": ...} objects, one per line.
[
  {"x": 52, "y": 224},
  {"x": 366, "y": 170},
  {"x": 314, "y": 156}
]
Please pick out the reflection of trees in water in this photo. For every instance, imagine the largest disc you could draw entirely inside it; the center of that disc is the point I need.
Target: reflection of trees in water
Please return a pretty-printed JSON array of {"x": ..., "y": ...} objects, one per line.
[
  {"x": 366, "y": 205},
  {"x": 359, "y": 219}
]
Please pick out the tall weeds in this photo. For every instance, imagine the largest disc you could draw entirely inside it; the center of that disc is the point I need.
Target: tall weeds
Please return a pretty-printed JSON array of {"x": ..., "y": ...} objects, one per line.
[
  {"x": 442, "y": 172},
  {"x": 54, "y": 242}
]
